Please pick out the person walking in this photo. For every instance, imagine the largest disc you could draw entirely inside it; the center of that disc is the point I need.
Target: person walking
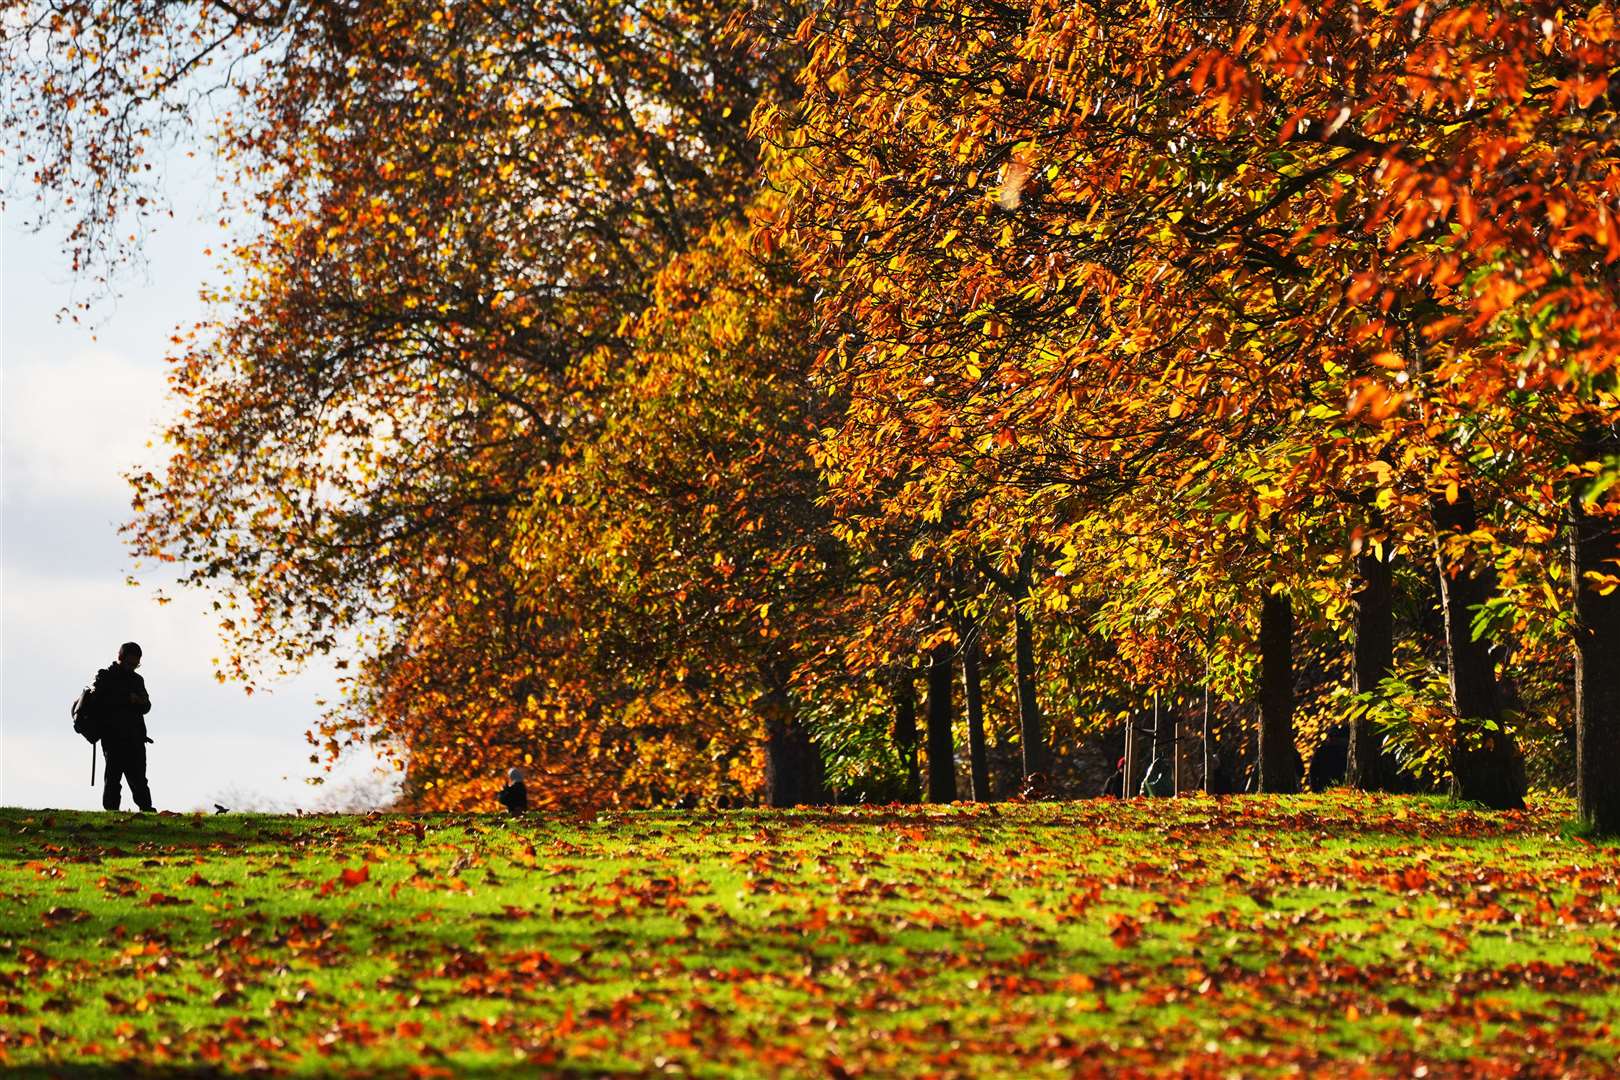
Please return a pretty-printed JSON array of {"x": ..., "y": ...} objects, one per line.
[
  {"x": 1156, "y": 782},
  {"x": 121, "y": 707}
]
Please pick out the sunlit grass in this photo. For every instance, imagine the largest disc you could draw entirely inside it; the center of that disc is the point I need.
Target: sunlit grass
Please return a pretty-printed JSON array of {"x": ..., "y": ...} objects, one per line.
[{"x": 1241, "y": 934}]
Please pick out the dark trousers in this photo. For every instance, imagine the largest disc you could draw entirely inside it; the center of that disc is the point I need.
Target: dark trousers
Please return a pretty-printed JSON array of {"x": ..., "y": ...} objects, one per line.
[{"x": 126, "y": 760}]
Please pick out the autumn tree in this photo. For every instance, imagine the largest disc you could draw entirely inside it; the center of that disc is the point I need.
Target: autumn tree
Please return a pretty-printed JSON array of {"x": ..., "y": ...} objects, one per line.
[
  {"x": 460, "y": 208},
  {"x": 1331, "y": 283},
  {"x": 1122, "y": 238},
  {"x": 688, "y": 531}
]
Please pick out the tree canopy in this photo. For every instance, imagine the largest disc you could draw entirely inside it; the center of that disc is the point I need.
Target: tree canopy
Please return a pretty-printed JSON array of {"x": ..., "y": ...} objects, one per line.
[{"x": 598, "y": 375}]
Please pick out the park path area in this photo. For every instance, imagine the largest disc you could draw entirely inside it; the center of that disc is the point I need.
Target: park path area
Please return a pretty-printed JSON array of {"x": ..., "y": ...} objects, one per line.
[{"x": 1238, "y": 936}]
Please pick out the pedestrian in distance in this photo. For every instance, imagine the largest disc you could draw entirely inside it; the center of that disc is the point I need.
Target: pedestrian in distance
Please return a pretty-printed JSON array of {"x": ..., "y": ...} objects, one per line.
[
  {"x": 1157, "y": 782},
  {"x": 515, "y": 795},
  {"x": 121, "y": 705},
  {"x": 1116, "y": 783}
]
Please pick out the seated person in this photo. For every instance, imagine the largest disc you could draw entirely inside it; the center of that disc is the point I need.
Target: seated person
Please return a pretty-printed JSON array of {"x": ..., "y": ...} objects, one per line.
[{"x": 514, "y": 796}]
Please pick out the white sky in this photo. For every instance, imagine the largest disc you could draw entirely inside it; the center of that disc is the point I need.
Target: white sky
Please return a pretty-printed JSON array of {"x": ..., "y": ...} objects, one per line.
[{"x": 78, "y": 404}]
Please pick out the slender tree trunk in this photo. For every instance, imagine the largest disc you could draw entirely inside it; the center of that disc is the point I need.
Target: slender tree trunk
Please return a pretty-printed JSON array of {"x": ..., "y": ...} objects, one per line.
[
  {"x": 1209, "y": 771},
  {"x": 1180, "y": 773},
  {"x": 972, "y": 693},
  {"x": 941, "y": 718},
  {"x": 905, "y": 732},
  {"x": 1184, "y": 729},
  {"x": 1032, "y": 733},
  {"x": 1485, "y": 764},
  {"x": 1594, "y": 546},
  {"x": 1127, "y": 756},
  {"x": 1279, "y": 765},
  {"x": 1158, "y": 729},
  {"x": 1370, "y": 766},
  {"x": 1158, "y": 752},
  {"x": 1137, "y": 747}
]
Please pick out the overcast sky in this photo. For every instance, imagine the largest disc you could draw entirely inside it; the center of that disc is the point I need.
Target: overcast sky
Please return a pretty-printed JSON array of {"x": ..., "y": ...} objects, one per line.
[{"x": 78, "y": 404}]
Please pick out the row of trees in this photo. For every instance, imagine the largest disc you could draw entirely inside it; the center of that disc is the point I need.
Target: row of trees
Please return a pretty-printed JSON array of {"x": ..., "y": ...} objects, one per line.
[{"x": 656, "y": 394}]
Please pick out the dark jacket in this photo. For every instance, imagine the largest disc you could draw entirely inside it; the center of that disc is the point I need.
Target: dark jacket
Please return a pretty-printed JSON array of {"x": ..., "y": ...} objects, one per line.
[
  {"x": 515, "y": 797},
  {"x": 121, "y": 704}
]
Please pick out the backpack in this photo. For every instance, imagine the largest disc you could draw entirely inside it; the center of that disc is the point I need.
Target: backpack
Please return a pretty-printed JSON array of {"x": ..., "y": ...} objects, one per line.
[{"x": 86, "y": 715}]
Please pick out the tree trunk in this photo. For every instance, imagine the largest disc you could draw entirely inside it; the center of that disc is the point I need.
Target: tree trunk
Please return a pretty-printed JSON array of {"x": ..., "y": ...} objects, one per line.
[
  {"x": 1594, "y": 545},
  {"x": 1485, "y": 764},
  {"x": 794, "y": 772},
  {"x": 1279, "y": 761},
  {"x": 1180, "y": 771},
  {"x": 1203, "y": 740},
  {"x": 1157, "y": 755},
  {"x": 1136, "y": 751},
  {"x": 1185, "y": 770},
  {"x": 905, "y": 732},
  {"x": 1032, "y": 735},
  {"x": 941, "y": 748},
  {"x": 973, "y": 694},
  {"x": 1127, "y": 756},
  {"x": 1370, "y": 766}
]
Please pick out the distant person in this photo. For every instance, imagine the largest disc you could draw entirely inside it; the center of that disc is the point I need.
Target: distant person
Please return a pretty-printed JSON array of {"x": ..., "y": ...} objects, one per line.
[
  {"x": 1157, "y": 783},
  {"x": 121, "y": 708},
  {"x": 1116, "y": 783},
  {"x": 514, "y": 796}
]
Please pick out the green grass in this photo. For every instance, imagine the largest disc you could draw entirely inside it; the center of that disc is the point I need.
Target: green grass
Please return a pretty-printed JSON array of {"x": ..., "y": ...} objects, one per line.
[{"x": 1239, "y": 936}]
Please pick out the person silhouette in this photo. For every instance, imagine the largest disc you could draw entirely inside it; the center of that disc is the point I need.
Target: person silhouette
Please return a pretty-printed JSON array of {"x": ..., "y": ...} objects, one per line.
[
  {"x": 1156, "y": 782},
  {"x": 121, "y": 706},
  {"x": 515, "y": 795}
]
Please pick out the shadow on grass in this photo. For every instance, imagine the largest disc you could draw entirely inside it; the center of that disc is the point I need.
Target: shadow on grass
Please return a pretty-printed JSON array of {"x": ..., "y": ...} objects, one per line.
[
  {"x": 142, "y": 1071},
  {"x": 83, "y": 834},
  {"x": 1237, "y": 813},
  {"x": 46, "y": 834},
  {"x": 88, "y": 836}
]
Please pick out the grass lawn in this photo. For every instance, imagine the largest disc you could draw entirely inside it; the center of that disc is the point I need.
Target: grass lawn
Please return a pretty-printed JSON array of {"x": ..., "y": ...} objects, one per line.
[{"x": 1233, "y": 936}]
